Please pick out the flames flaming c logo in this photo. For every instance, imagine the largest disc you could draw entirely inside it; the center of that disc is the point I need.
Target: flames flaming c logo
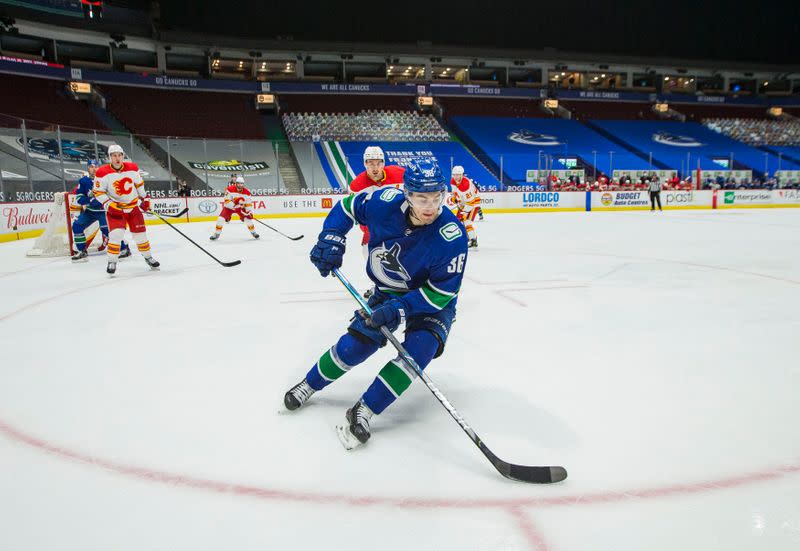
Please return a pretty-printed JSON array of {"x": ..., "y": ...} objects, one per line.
[{"x": 120, "y": 186}]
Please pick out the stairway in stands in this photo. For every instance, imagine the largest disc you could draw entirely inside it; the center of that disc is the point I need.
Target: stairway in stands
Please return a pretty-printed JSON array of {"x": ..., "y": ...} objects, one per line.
[{"x": 291, "y": 176}]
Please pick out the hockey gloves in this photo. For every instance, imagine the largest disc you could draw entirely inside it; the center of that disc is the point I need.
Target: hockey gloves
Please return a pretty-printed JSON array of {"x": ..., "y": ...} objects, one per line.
[
  {"x": 391, "y": 314},
  {"x": 144, "y": 204},
  {"x": 388, "y": 314},
  {"x": 328, "y": 253}
]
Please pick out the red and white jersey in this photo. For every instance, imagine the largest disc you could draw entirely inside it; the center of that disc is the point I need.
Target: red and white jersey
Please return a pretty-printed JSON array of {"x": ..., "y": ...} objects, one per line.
[
  {"x": 124, "y": 186},
  {"x": 392, "y": 176},
  {"x": 237, "y": 198},
  {"x": 465, "y": 194}
]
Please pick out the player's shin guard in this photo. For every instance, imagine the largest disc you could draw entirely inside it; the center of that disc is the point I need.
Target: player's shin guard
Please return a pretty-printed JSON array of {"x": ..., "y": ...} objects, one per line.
[
  {"x": 396, "y": 377},
  {"x": 470, "y": 231},
  {"x": 142, "y": 244},
  {"x": 337, "y": 361},
  {"x": 114, "y": 239}
]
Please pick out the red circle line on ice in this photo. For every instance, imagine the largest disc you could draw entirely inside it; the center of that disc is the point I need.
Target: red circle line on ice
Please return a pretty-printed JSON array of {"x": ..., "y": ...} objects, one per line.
[
  {"x": 165, "y": 477},
  {"x": 509, "y": 504}
]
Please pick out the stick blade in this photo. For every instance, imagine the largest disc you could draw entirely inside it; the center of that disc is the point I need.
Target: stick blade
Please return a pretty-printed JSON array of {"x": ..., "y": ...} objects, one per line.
[
  {"x": 297, "y": 238},
  {"x": 232, "y": 263},
  {"x": 534, "y": 475}
]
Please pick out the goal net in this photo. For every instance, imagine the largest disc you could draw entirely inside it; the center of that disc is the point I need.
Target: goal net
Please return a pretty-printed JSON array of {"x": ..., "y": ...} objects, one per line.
[{"x": 57, "y": 239}]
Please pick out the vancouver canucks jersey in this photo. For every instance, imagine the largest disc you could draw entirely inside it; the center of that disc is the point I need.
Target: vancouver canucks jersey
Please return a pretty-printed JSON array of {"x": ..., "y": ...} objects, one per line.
[
  {"x": 84, "y": 195},
  {"x": 424, "y": 264}
]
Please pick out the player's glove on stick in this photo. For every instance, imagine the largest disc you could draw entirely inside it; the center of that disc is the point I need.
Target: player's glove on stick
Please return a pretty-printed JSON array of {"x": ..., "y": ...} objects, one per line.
[
  {"x": 144, "y": 204},
  {"x": 389, "y": 314},
  {"x": 328, "y": 253}
]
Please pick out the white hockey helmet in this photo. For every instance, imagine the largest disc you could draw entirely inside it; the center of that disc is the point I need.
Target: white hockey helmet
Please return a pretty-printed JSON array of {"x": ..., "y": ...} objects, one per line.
[
  {"x": 373, "y": 152},
  {"x": 239, "y": 180},
  {"x": 458, "y": 170},
  {"x": 114, "y": 148}
]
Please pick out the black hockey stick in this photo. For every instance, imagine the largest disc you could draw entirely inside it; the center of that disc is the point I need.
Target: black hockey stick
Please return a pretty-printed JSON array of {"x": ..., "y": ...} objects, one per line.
[
  {"x": 226, "y": 264},
  {"x": 280, "y": 232},
  {"x": 522, "y": 473}
]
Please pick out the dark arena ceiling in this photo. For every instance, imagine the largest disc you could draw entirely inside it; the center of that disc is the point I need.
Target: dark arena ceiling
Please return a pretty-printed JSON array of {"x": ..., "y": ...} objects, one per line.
[{"x": 701, "y": 30}]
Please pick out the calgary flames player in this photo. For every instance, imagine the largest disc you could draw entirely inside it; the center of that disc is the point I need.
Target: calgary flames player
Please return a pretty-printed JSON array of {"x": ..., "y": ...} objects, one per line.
[
  {"x": 376, "y": 175},
  {"x": 237, "y": 201},
  {"x": 119, "y": 187},
  {"x": 466, "y": 199}
]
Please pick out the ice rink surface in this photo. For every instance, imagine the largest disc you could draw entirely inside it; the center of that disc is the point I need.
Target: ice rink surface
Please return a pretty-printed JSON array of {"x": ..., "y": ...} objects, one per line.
[{"x": 655, "y": 356}]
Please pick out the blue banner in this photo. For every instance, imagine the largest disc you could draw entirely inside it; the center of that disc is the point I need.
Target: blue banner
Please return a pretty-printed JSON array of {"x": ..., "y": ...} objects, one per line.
[
  {"x": 445, "y": 90},
  {"x": 169, "y": 82},
  {"x": 605, "y": 95},
  {"x": 343, "y": 89}
]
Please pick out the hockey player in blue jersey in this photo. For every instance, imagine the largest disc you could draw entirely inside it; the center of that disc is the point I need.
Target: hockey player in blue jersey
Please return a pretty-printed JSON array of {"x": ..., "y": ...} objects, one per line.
[
  {"x": 417, "y": 254},
  {"x": 91, "y": 211}
]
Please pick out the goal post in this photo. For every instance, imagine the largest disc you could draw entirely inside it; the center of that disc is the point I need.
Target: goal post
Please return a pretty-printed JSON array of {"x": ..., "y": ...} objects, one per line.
[{"x": 57, "y": 238}]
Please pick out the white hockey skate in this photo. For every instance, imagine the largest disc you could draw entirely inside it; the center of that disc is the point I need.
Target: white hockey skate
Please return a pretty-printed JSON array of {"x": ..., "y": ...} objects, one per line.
[
  {"x": 355, "y": 432},
  {"x": 81, "y": 256},
  {"x": 298, "y": 395}
]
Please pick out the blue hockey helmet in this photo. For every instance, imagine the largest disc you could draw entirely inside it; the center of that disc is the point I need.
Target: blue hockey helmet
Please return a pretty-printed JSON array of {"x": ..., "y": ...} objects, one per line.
[
  {"x": 423, "y": 174},
  {"x": 92, "y": 162}
]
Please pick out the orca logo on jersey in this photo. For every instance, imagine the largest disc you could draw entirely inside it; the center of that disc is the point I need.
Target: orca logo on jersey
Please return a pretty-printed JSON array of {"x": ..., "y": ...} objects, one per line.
[
  {"x": 119, "y": 186},
  {"x": 386, "y": 267}
]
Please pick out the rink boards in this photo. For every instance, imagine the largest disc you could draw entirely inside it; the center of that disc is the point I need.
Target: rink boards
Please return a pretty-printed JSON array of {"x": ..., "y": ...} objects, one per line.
[{"x": 24, "y": 220}]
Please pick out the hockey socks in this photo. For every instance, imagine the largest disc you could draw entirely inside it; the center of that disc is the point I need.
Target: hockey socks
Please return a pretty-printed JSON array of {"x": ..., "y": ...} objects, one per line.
[
  {"x": 393, "y": 379},
  {"x": 337, "y": 361},
  {"x": 396, "y": 377},
  {"x": 80, "y": 240}
]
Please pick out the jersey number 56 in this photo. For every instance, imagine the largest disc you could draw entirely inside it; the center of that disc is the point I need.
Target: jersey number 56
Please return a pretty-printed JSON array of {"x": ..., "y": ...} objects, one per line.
[{"x": 456, "y": 265}]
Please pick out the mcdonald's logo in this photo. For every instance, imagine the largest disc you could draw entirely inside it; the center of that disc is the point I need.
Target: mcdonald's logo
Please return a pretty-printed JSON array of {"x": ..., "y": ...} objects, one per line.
[{"x": 327, "y": 203}]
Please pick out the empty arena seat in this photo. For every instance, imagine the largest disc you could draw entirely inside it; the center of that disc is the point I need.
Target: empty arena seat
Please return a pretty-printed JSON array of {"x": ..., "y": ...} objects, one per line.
[
  {"x": 152, "y": 112},
  {"x": 603, "y": 110},
  {"x": 491, "y": 107},
  {"x": 39, "y": 99}
]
